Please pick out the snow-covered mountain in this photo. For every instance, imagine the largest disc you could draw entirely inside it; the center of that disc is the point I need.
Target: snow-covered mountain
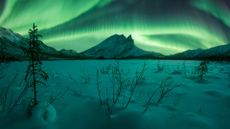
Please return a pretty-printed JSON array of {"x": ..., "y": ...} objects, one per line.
[
  {"x": 13, "y": 46},
  {"x": 216, "y": 53},
  {"x": 119, "y": 47}
]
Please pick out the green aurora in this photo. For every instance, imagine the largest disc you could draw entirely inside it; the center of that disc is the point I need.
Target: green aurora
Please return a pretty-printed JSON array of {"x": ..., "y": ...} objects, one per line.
[{"x": 165, "y": 26}]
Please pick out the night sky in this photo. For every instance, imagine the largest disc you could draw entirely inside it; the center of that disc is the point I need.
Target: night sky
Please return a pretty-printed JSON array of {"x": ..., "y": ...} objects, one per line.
[{"x": 165, "y": 26}]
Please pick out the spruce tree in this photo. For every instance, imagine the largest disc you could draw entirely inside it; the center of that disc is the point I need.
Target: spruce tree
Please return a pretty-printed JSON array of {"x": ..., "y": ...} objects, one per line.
[{"x": 35, "y": 76}]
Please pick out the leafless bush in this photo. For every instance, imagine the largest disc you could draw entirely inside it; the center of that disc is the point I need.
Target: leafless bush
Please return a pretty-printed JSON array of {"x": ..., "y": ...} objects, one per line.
[
  {"x": 165, "y": 88},
  {"x": 119, "y": 80},
  {"x": 160, "y": 93},
  {"x": 77, "y": 92},
  {"x": 21, "y": 98},
  {"x": 109, "y": 105},
  {"x": 199, "y": 72},
  {"x": 85, "y": 77},
  {"x": 121, "y": 85},
  {"x": 160, "y": 67},
  {"x": 5, "y": 94},
  {"x": 3, "y": 66},
  {"x": 184, "y": 69},
  {"x": 135, "y": 82},
  {"x": 176, "y": 71},
  {"x": 202, "y": 70},
  {"x": 106, "y": 69},
  {"x": 98, "y": 87},
  {"x": 58, "y": 96}
]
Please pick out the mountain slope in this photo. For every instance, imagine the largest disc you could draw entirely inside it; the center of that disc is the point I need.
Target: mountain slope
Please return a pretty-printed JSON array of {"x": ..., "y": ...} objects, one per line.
[
  {"x": 13, "y": 47},
  {"x": 118, "y": 47},
  {"x": 216, "y": 53}
]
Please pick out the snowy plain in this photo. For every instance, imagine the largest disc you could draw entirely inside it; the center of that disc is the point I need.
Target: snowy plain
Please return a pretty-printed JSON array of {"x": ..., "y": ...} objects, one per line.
[{"x": 193, "y": 104}]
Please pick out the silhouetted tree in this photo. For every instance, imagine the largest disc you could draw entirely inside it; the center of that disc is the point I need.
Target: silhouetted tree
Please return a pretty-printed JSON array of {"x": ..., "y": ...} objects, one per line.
[
  {"x": 202, "y": 69},
  {"x": 35, "y": 76}
]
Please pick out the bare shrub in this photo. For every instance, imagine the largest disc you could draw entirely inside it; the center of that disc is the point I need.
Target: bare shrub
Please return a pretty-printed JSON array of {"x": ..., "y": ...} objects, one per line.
[
  {"x": 98, "y": 87},
  {"x": 119, "y": 80},
  {"x": 121, "y": 85},
  {"x": 160, "y": 67},
  {"x": 85, "y": 77},
  {"x": 4, "y": 94},
  {"x": 75, "y": 92},
  {"x": 176, "y": 71},
  {"x": 166, "y": 86},
  {"x": 200, "y": 71},
  {"x": 106, "y": 69},
  {"x": 58, "y": 96},
  {"x": 3, "y": 66},
  {"x": 184, "y": 69},
  {"x": 22, "y": 98},
  {"x": 135, "y": 82}
]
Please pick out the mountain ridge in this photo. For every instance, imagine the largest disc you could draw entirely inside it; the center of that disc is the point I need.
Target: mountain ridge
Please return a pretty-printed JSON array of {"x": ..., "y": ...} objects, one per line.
[
  {"x": 118, "y": 47},
  {"x": 13, "y": 47},
  {"x": 221, "y": 52}
]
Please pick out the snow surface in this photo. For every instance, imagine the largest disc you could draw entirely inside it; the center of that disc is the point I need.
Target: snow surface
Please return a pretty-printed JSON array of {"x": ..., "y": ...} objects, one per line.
[
  {"x": 44, "y": 113},
  {"x": 193, "y": 105}
]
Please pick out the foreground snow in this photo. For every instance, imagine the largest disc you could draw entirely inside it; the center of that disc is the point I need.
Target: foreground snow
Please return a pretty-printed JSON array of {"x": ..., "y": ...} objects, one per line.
[{"x": 194, "y": 105}]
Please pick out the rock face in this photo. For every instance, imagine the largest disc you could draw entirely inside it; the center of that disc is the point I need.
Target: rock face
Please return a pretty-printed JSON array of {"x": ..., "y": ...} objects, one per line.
[
  {"x": 118, "y": 47},
  {"x": 13, "y": 46},
  {"x": 215, "y": 53}
]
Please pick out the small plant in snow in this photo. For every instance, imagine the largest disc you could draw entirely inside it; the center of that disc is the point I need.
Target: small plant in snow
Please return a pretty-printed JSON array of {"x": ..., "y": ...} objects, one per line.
[
  {"x": 106, "y": 69},
  {"x": 119, "y": 80},
  {"x": 2, "y": 67},
  {"x": 5, "y": 94},
  {"x": 85, "y": 77},
  {"x": 165, "y": 88},
  {"x": 184, "y": 69},
  {"x": 135, "y": 82},
  {"x": 160, "y": 67},
  {"x": 98, "y": 87},
  {"x": 177, "y": 71},
  {"x": 121, "y": 86},
  {"x": 202, "y": 69},
  {"x": 160, "y": 93}
]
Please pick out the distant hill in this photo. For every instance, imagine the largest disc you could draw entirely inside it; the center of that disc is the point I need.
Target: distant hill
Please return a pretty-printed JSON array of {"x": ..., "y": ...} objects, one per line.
[
  {"x": 216, "y": 53},
  {"x": 119, "y": 47}
]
